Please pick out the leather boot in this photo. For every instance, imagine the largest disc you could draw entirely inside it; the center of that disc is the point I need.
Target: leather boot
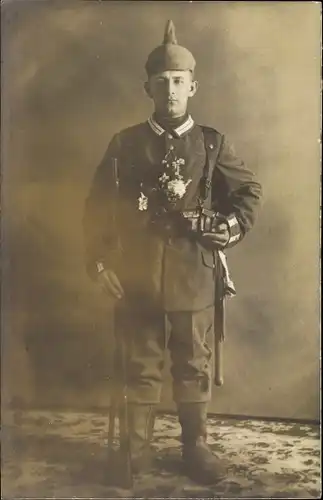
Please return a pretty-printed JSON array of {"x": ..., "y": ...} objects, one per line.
[
  {"x": 141, "y": 423},
  {"x": 201, "y": 465}
]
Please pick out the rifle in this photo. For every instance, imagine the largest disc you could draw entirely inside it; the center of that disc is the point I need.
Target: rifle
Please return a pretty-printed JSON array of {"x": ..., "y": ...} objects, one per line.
[{"x": 119, "y": 462}]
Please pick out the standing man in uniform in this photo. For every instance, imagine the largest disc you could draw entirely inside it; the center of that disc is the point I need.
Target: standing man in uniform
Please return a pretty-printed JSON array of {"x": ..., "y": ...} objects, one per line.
[{"x": 154, "y": 244}]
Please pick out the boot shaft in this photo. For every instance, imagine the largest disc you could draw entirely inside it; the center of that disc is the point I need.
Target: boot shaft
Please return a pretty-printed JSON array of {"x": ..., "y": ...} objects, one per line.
[
  {"x": 193, "y": 421},
  {"x": 141, "y": 420},
  {"x": 200, "y": 463}
]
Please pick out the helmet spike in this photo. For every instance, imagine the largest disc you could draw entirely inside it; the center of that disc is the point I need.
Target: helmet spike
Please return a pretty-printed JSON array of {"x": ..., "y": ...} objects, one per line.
[{"x": 169, "y": 36}]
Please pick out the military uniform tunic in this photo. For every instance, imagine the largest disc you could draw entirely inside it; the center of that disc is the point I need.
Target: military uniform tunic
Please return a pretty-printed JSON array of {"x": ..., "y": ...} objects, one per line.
[
  {"x": 177, "y": 271},
  {"x": 161, "y": 272}
]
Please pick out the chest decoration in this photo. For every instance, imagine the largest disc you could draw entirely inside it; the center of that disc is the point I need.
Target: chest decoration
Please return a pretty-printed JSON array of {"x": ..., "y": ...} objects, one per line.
[{"x": 169, "y": 187}]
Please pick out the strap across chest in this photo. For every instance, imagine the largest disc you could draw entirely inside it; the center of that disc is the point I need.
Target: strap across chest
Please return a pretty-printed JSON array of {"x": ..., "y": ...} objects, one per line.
[{"x": 212, "y": 142}]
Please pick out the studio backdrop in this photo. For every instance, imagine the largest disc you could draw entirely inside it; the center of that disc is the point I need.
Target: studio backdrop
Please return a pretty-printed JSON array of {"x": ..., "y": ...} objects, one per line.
[{"x": 73, "y": 75}]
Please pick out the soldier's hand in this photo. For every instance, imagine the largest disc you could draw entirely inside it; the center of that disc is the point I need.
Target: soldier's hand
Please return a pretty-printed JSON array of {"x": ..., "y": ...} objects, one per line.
[
  {"x": 109, "y": 283},
  {"x": 218, "y": 238}
]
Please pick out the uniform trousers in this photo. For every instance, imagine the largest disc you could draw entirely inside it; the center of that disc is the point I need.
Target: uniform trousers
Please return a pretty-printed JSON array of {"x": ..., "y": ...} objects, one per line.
[{"x": 188, "y": 336}]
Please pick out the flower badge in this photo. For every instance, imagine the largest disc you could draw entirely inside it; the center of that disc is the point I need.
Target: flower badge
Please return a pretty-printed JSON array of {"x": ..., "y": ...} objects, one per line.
[
  {"x": 142, "y": 202},
  {"x": 169, "y": 188},
  {"x": 171, "y": 182}
]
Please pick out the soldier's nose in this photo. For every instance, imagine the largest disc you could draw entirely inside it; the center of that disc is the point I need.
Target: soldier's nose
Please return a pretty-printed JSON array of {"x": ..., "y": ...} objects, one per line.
[{"x": 170, "y": 88}]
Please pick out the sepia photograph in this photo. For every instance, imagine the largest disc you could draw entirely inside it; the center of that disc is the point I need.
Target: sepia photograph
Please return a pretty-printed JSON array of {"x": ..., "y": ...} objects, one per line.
[{"x": 160, "y": 249}]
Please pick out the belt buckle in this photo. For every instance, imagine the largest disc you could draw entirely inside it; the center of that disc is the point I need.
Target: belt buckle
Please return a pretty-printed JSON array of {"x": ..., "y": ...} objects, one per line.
[{"x": 189, "y": 214}]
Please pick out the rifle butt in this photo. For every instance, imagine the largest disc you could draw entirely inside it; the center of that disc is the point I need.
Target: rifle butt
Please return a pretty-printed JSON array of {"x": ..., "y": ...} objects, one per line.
[{"x": 124, "y": 444}]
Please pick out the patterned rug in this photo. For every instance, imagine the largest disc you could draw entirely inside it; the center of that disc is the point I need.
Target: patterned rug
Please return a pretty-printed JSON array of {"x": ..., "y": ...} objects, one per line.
[{"x": 63, "y": 455}]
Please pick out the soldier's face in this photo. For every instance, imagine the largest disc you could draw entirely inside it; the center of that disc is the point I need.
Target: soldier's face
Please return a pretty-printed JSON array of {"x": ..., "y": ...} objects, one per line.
[{"x": 170, "y": 91}]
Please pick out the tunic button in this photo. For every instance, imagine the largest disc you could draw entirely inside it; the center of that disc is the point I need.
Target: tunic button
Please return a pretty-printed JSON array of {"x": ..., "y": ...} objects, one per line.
[
  {"x": 211, "y": 146},
  {"x": 171, "y": 147},
  {"x": 169, "y": 136}
]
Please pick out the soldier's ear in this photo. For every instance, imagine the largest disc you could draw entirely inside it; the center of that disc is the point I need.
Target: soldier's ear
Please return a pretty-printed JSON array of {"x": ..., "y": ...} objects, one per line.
[
  {"x": 147, "y": 88},
  {"x": 193, "y": 88}
]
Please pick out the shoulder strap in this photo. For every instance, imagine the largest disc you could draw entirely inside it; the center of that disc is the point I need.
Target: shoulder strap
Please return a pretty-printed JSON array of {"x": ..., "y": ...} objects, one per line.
[{"x": 212, "y": 141}]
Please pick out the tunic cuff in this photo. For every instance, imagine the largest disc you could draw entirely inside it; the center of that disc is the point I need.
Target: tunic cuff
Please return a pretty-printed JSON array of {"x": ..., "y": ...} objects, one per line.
[
  {"x": 234, "y": 229},
  {"x": 99, "y": 267}
]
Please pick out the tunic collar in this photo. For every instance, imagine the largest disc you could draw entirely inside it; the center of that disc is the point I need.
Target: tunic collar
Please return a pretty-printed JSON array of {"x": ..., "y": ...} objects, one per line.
[{"x": 179, "y": 131}]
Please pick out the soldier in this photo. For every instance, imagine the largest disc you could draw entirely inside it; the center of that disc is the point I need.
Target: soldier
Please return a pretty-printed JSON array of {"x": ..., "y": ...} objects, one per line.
[{"x": 150, "y": 245}]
